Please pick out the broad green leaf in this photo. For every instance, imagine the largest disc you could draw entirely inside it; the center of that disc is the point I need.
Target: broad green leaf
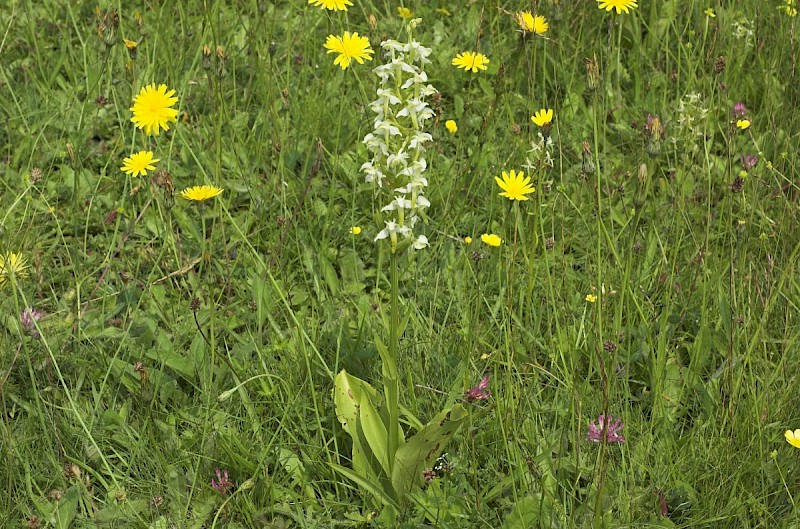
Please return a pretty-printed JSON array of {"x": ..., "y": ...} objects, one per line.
[
  {"x": 368, "y": 485},
  {"x": 419, "y": 452}
]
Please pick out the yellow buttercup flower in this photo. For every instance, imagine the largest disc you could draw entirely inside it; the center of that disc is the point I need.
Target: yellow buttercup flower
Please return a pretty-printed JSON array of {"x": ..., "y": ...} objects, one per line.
[
  {"x": 470, "y": 60},
  {"x": 591, "y": 298},
  {"x": 451, "y": 126},
  {"x": 514, "y": 185},
  {"x": 743, "y": 123},
  {"x": 200, "y": 193},
  {"x": 543, "y": 117},
  {"x": 152, "y": 109},
  {"x": 331, "y": 5},
  {"x": 467, "y": 240},
  {"x": 139, "y": 163},
  {"x": 620, "y": 5},
  {"x": 12, "y": 263},
  {"x": 350, "y": 48},
  {"x": 405, "y": 13},
  {"x": 710, "y": 13},
  {"x": 793, "y": 437},
  {"x": 532, "y": 24},
  {"x": 355, "y": 230},
  {"x": 491, "y": 239}
]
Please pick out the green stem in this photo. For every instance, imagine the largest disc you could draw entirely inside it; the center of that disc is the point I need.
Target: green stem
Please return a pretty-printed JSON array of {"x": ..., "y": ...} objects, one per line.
[{"x": 390, "y": 371}]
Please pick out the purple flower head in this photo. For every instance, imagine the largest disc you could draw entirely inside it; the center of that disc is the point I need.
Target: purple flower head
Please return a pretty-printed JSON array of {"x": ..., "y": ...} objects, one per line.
[
  {"x": 654, "y": 128},
  {"x": 222, "y": 484},
  {"x": 479, "y": 392},
  {"x": 28, "y": 319},
  {"x": 739, "y": 110},
  {"x": 748, "y": 161},
  {"x": 612, "y": 430}
]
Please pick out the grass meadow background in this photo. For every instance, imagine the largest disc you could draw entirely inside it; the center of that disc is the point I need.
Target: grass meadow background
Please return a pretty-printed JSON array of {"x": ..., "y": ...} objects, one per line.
[{"x": 177, "y": 338}]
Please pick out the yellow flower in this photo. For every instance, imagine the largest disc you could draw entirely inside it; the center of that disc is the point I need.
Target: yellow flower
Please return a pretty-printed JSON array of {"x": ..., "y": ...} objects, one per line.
[
  {"x": 469, "y": 60},
  {"x": 532, "y": 24},
  {"x": 467, "y": 240},
  {"x": 405, "y": 12},
  {"x": 331, "y": 5},
  {"x": 743, "y": 123},
  {"x": 543, "y": 117},
  {"x": 350, "y": 48},
  {"x": 514, "y": 185},
  {"x": 710, "y": 13},
  {"x": 200, "y": 193},
  {"x": 12, "y": 264},
  {"x": 491, "y": 240},
  {"x": 355, "y": 230},
  {"x": 130, "y": 44},
  {"x": 451, "y": 126},
  {"x": 789, "y": 8},
  {"x": 152, "y": 109},
  {"x": 619, "y": 5},
  {"x": 591, "y": 298},
  {"x": 139, "y": 163},
  {"x": 793, "y": 437}
]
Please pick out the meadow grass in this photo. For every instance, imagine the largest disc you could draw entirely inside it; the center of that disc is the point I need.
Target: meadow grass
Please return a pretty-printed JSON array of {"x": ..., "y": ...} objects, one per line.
[{"x": 652, "y": 276}]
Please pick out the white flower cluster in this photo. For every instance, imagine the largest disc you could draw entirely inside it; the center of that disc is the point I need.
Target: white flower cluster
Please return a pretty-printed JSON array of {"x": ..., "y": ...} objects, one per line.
[
  {"x": 540, "y": 154},
  {"x": 398, "y": 143},
  {"x": 691, "y": 120}
]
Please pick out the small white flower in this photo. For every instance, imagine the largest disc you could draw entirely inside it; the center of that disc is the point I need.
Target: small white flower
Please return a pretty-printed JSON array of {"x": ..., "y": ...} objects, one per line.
[{"x": 421, "y": 242}]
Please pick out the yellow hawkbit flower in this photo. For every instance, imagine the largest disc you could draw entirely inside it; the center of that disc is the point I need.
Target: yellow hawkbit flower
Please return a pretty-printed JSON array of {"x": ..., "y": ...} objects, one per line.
[
  {"x": 710, "y": 13},
  {"x": 350, "y": 48},
  {"x": 743, "y": 123},
  {"x": 470, "y": 60},
  {"x": 532, "y": 24},
  {"x": 12, "y": 264},
  {"x": 591, "y": 298},
  {"x": 331, "y": 5},
  {"x": 620, "y": 5},
  {"x": 200, "y": 193},
  {"x": 451, "y": 126},
  {"x": 491, "y": 239},
  {"x": 405, "y": 13},
  {"x": 543, "y": 117},
  {"x": 514, "y": 185},
  {"x": 355, "y": 230},
  {"x": 139, "y": 163},
  {"x": 152, "y": 109}
]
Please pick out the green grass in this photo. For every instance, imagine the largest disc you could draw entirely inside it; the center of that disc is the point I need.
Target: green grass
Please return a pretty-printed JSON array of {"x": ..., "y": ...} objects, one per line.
[{"x": 239, "y": 313}]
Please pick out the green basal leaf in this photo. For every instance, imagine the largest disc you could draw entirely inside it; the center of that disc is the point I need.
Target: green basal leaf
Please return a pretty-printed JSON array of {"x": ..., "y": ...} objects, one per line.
[{"x": 420, "y": 451}]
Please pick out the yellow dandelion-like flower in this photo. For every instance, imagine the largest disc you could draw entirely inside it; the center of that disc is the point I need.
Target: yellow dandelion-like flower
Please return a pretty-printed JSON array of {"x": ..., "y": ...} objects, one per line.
[
  {"x": 130, "y": 44},
  {"x": 491, "y": 239},
  {"x": 405, "y": 13},
  {"x": 12, "y": 264},
  {"x": 532, "y": 24},
  {"x": 622, "y": 6},
  {"x": 793, "y": 437},
  {"x": 591, "y": 298},
  {"x": 469, "y": 60},
  {"x": 543, "y": 117},
  {"x": 350, "y": 48},
  {"x": 743, "y": 124},
  {"x": 139, "y": 163},
  {"x": 355, "y": 230},
  {"x": 467, "y": 240},
  {"x": 710, "y": 13},
  {"x": 152, "y": 109},
  {"x": 331, "y": 5},
  {"x": 200, "y": 193},
  {"x": 451, "y": 126},
  {"x": 514, "y": 185}
]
